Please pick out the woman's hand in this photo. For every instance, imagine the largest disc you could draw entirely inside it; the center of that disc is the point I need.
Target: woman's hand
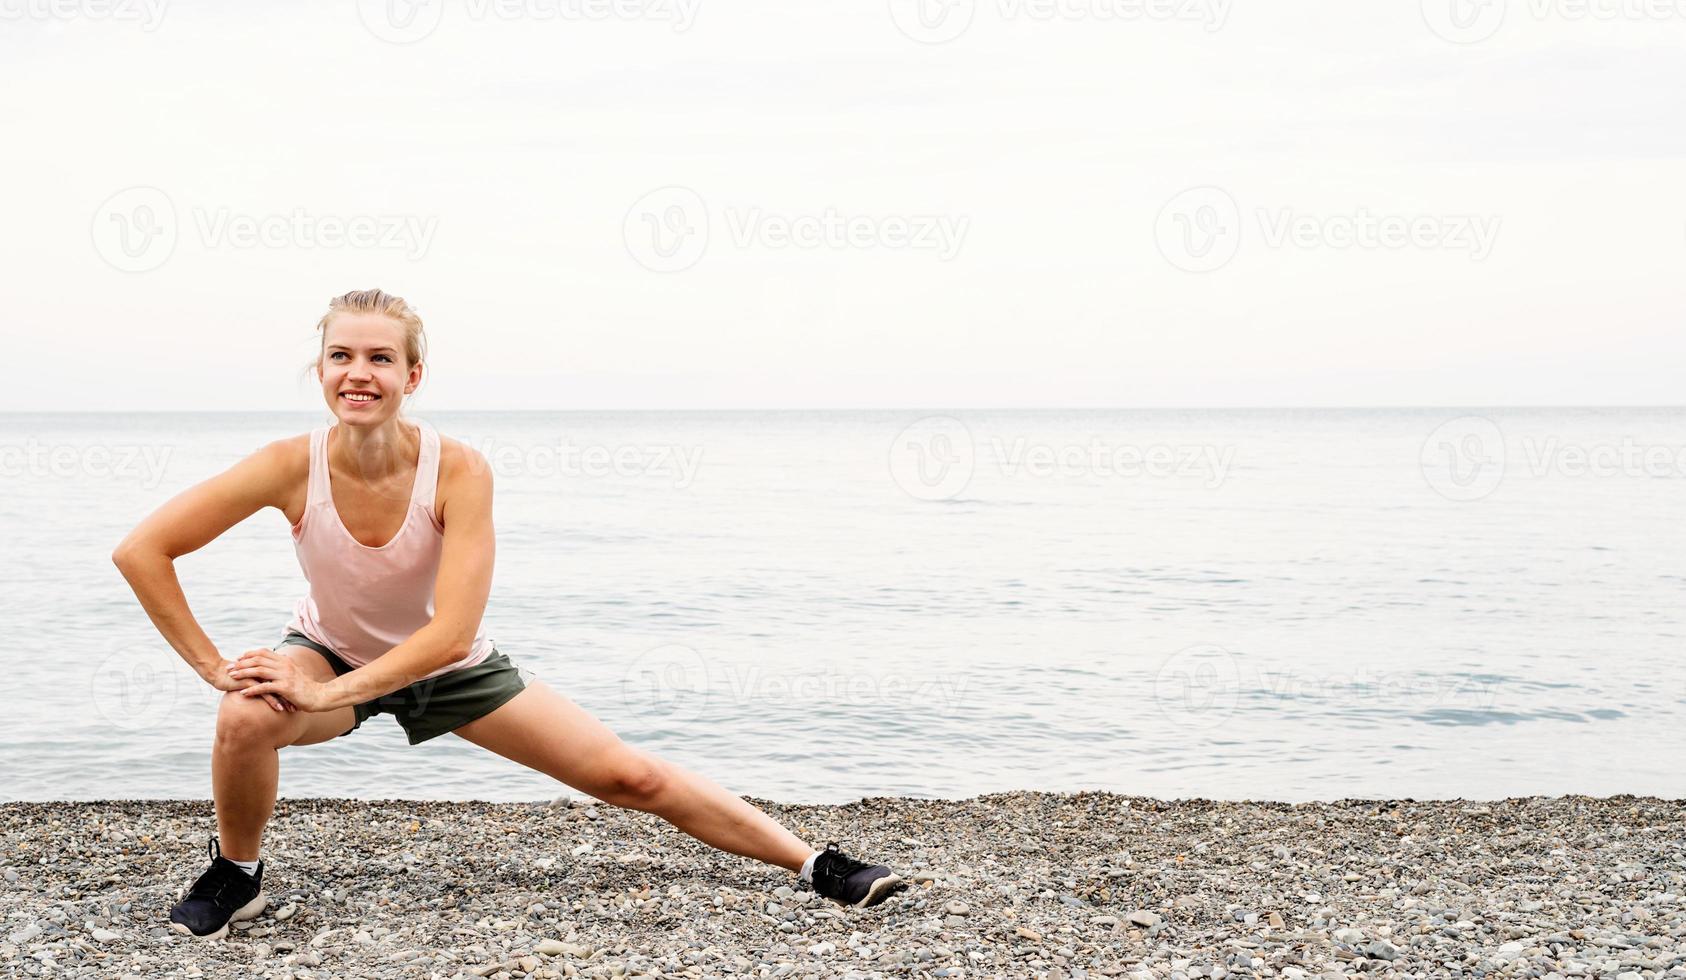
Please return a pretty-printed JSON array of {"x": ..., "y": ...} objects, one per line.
[
  {"x": 278, "y": 676},
  {"x": 222, "y": 680}
]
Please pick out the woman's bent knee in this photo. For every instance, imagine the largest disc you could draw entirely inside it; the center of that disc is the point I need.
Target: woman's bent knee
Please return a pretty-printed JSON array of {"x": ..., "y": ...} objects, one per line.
[{"x": 244, "y": 721}]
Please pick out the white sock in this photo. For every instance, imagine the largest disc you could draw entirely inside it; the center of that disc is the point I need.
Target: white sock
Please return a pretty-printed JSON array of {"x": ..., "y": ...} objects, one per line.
[
  {"x": 250, "y": 867},
  {"x": 807, "y": 872}
]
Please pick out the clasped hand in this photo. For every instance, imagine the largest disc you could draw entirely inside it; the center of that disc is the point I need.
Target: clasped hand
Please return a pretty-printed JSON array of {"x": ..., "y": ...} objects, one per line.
[{"x": 278, "y": 680}]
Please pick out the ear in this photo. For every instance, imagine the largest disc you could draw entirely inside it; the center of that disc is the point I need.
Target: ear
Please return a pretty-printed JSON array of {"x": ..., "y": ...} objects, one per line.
[{"x": 415, "y": 378}]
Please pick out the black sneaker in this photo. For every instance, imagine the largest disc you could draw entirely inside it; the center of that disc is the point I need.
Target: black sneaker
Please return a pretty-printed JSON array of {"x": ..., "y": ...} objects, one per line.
[
  {"x": 844, "y": 879},
  {"x": 223, "y": 894}
]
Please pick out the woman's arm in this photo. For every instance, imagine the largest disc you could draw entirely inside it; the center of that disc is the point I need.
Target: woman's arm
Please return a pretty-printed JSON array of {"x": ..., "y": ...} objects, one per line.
[
  {"x": 460, "y": 591},
  {"x": 184, "y": 524}
]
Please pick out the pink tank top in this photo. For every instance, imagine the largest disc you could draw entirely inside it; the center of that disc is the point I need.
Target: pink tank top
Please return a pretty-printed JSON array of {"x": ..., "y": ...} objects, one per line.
[{"x": 364, "y": 601}]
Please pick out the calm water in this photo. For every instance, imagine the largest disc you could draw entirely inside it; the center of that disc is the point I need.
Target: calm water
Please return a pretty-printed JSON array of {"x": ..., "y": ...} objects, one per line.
[{"x": 824, "y": 606}]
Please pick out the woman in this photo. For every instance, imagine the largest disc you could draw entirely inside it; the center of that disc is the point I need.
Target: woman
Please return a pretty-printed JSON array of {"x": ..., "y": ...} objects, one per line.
[{"x": 393, "y": 528}]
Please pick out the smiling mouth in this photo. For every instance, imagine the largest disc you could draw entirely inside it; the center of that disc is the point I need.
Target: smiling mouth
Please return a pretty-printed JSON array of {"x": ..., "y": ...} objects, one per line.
[{"x": 358, "y": 397}]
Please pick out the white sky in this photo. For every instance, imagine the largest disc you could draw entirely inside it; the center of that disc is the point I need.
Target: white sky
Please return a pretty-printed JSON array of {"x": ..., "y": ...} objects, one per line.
[{"x": 526, "y": 144}]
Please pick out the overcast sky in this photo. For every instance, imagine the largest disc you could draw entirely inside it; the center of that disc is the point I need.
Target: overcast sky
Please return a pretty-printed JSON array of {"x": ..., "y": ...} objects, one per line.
[{"x": 696, "y": 204}]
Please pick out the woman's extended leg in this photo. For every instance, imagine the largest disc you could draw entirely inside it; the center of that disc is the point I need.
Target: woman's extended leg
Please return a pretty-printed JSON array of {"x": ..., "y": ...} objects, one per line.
[
  {"x": 543, "y": 730},
  {"x": 244, "y": 766}
]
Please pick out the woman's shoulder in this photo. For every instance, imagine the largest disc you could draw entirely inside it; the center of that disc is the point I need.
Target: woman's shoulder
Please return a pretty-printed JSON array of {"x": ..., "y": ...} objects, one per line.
[
  {"x": 464, "y": 477},
  {"x": 458, "y": 461},
  {"x": 284, "y": 465},
  {"x": 289, "y": 454}
]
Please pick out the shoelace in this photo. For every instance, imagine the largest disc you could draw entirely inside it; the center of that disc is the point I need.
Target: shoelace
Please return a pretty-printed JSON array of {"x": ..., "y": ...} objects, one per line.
[
  {"x": 833, "y": 866},
  {"x": 212, "y": 883}
]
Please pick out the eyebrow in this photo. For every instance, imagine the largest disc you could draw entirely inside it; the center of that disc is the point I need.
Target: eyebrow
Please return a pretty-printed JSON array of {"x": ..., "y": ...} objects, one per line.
[{"x": 374, "y": 350}]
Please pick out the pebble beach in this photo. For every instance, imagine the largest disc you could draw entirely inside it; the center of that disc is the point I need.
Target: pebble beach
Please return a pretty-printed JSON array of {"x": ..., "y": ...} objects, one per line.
[{"x": 1003, "y": 885}]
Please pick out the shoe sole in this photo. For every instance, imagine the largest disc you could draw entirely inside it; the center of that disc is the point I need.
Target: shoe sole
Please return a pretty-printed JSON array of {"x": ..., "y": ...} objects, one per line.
[
  {"x": 248, "y": 911},
  {"x": 881, "y": 889}
]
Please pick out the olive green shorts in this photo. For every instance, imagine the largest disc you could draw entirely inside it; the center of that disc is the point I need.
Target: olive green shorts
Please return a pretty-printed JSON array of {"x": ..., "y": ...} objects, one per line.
[{"x": 430, "y": 708}]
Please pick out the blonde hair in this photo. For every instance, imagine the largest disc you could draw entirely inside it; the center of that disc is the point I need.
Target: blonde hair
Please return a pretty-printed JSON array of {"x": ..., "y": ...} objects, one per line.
[{"x": 385, "y": 304}]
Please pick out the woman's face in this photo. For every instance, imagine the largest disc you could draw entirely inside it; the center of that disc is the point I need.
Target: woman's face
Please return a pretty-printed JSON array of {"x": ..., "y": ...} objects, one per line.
[{"x": 362, "y": 368}]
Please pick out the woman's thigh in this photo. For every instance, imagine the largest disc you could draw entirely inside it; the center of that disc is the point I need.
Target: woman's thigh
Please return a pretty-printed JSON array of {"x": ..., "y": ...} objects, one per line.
[
  {"x": 311, "y": 727},
  {"x": 543, "y": 730}
]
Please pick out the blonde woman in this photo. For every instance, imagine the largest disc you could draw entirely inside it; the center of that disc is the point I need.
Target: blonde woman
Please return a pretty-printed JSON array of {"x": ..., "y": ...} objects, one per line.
[{"x": 393, "y": 528}]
